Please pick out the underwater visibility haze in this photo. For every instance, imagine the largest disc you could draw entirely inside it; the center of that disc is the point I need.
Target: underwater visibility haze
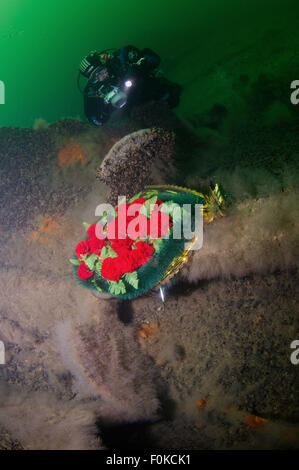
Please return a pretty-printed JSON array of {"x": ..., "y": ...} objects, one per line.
[{"x": 168, "y": 347}]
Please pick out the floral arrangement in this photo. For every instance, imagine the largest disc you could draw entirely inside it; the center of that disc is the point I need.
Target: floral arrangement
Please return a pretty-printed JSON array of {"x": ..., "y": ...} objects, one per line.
[{"x": 131, "y": 252}]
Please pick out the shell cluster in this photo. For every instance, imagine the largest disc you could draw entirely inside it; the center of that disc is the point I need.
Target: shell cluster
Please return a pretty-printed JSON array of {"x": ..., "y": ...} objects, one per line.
[{"x": 138, "y": 159}]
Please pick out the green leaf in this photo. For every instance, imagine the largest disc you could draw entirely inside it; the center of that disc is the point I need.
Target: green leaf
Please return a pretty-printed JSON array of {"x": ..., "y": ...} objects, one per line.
[
  {"x": 122, "y": 287},
  {"x": 134, "y": 198},
  {"x": 151, "y": 202},
  {"x": 75, "y": 262},
  {"x": 107, "y": 252},
  {"x": 167, "y": 207},
  {"x": 102, "y": 222},
  {"x": 103, "y": 254},
  {"x": 171, "y": 208},
  {"x": 86, "y": 226},
  {"x": 117, "y": 288},
  {"x": 152, "y": 193},
  {"x": 90, "y": 261},
  {"x": 144, "y": 239},
  {"x": 143, "y": 210},
  {"x": 94, "y": 282},
  {"x": 98, "y": 267},
  {"x": 112, "y": 215},
  {"x": 177, "y": 216},
  {"x": 157, "y": 244},
  {"x": 148, "y": 206},
  {"x": 132, "y": 279},
  {"x": 122, "y": 200}
]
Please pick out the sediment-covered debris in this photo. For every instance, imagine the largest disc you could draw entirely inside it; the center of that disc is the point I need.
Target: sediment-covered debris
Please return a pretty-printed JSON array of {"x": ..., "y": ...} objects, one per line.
[{"x": 138, "y": 159}]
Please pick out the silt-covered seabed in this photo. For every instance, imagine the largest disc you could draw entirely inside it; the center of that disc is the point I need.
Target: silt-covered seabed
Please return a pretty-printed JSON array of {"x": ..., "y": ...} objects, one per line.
[{"x": 87, "y": 373}]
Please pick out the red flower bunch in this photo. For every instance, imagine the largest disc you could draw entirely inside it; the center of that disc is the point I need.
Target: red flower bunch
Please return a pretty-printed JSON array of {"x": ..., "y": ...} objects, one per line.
[
  {"x": 120, "y": 237},
  {"x": 92, "y": 245},
  {"x": 83, "y": 272},
  {"x": 127, "y": 261}
]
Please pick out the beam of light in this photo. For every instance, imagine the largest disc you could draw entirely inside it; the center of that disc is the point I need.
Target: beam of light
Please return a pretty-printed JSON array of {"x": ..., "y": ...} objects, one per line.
[
  {"x": 128, "y": 83},
  {"x": 162, "y": 294}
]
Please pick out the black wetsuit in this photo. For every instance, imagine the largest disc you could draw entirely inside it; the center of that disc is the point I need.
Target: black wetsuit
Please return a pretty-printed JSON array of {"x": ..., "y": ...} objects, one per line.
[{"x": 127, "y": 62}]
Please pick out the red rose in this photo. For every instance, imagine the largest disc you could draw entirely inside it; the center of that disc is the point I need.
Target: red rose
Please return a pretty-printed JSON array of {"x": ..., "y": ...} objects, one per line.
[
  {"x": 158, "y": 204},
  {"x": 138, "y": 227},
  {"x": 91, "y": 231},
  {"x": 96, "y": 245},
  {"x": 127, "y": 262},
  {"x": 159, "y": 224},
  {"x": 122, "y": 244},
  {"x": 145, "y": 248},
  {"x": 122, "y": 207},
  {"x": 84, "y": 272},
  {"x": 140, "y": 200},
  {"x": 82, "y": 248},
  {"x": 135, "y": 207},
  {"x": 133, "y": 259},
  {"x": 111, "y": 269},
  {"x": 114, "y": 227},
  {"x": 138, "y": 259},
  {"x": 144, "y": 251},
  {"x": 95, "y": 231}
]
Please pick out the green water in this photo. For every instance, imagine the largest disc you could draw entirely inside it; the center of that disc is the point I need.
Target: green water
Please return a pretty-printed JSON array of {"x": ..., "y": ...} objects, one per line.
[
  {"x": 224, "y": 333},
  {"x": 201, "y": 43}
]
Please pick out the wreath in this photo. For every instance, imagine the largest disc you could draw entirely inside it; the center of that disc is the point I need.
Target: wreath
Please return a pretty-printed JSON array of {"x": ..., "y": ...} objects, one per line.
[{"x": 131, "y": 250}]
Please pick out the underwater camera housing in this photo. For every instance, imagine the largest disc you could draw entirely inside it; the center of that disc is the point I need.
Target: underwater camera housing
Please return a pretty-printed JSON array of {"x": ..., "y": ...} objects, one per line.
[
  {"x": 89, "y": 64},
  {"x": 101, "y": 99},
  {"x": 116, "y": 97}
]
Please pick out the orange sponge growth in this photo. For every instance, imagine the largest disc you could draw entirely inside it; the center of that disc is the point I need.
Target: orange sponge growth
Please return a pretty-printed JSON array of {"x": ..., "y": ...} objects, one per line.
[
  {"x": 254, "y": 421},
  {"x": 48, "y": 227},
  {"x": 201, "y": 403},
  {"x": 146, "y": 331},
  {"x": 71, "y": 153}
]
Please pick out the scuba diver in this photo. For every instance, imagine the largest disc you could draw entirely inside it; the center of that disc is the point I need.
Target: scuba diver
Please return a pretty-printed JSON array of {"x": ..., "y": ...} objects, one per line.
[{"x": 122, "y": 78}]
